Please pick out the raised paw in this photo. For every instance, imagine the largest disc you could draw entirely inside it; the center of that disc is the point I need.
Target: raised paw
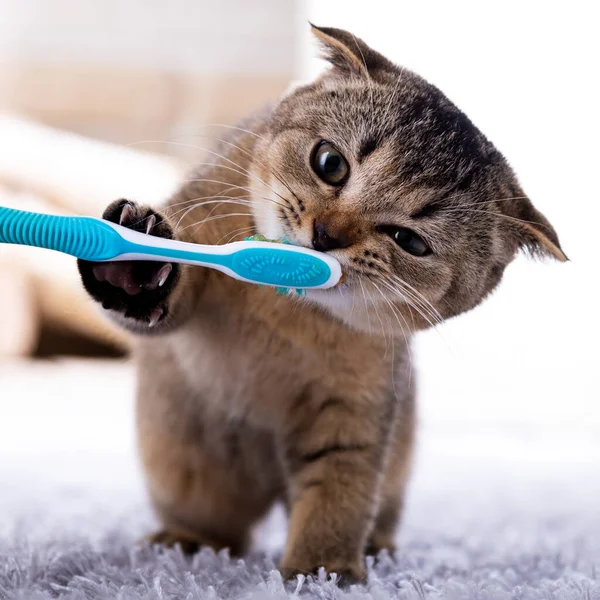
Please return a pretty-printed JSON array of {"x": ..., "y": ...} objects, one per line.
[{"x": 138, "y": 290}]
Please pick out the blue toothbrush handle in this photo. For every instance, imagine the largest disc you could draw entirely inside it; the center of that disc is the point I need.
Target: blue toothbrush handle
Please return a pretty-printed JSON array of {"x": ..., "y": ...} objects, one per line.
[
  {"x": 83, "y": 237},
  {"x": 95, "y": 240}
]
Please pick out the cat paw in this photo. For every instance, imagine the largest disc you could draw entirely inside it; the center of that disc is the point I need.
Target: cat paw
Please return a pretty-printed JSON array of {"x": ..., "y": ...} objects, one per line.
[
  {"x": 137, "y": 290},
  {"x": 192, "y": 542},
  {"x": 171, "y": 539},
  {"x": 347, "y": 574},
  {"x": 377, "y": 543}
]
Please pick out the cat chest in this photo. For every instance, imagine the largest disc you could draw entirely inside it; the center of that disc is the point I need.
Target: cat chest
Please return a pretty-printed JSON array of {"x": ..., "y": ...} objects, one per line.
[{"x": 255, "y": 372}]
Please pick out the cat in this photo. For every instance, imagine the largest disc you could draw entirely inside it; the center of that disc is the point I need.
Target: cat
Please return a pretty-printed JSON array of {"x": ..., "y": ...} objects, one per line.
[{"x": 246, "y": 397}]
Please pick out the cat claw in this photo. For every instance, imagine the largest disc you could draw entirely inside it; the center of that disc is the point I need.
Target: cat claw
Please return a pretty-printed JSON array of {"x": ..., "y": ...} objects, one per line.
[
  {"x": 150, "y": 223},
  {"x": 126, "y": 214},
  {"x": 155, "y": 316},
  {"x": 137, "y": 289},
  {"x": 160, "y": 277},
  {"x": 163, "y": 274}
]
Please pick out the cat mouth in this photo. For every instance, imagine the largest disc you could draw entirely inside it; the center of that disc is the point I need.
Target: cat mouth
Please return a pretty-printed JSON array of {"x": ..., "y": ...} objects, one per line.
[{"x": 349, "y": 273}]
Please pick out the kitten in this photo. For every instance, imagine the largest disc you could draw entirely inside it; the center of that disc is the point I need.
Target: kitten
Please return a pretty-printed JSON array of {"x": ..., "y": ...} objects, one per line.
[{"x": 247, "y": 397}]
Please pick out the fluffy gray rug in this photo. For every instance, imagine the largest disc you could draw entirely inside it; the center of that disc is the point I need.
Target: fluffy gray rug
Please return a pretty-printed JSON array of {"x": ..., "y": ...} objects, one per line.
[
  {"x": 93, "y": 555},
  {"x": 493, "y": 513}
]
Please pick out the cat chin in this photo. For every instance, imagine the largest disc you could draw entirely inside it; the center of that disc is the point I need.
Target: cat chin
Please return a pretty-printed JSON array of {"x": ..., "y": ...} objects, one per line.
[
  {"x": 343, "y": 304},
  {"x": 351, "y": 307}
]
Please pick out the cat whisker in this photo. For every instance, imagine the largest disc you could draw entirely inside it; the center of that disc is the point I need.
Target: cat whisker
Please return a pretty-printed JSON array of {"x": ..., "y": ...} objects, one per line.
[
  {"x": 230, "y": 188},
  {"x": 212, "y": 152},
  {"x": 479, "y": 202},
  {"x": 231, "y": 235},
  {"x": 213, "y": 218},
  {"x": 418, "y": 297},
  {"x": 187, "y": 210},
  {"x": 374, "y": 304},
  {"x": 166, "y": 209},
  {"x": 252, "y": 133},
  {"x": 397, "y": 314},
  {"x": 353, "y": 301},
  {"x": 222, "y": 195},
  {"x": 263, "y": 163},
  {"x": 216, "y": 165},
  {"x": 486, "y": 202},
  {"x": 403, "y": 295},
  {"x": 245, "y": 200},
  {"x": 362, "y": 287},
  {"x": 246, "y": 171},
  {"x": 236, "y": 187},
  {"x": 468, "y": 210},
  {"x": 412, "y": 303},
  {"x": 238, "y": 201}
]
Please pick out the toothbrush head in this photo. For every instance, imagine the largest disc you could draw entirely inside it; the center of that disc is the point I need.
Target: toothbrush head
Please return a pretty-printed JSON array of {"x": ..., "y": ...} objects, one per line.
[{"x": 288, "y": 269}]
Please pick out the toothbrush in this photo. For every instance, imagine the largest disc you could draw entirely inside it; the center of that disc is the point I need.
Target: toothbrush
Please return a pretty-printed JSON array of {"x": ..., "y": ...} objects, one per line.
[{"x": 279, "y": 265}]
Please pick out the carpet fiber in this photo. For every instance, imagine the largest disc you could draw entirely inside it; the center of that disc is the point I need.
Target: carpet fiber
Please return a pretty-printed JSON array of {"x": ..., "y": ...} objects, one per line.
[
  {"x": 548, "y": 558},
  {"x": 491, "y": 514}
]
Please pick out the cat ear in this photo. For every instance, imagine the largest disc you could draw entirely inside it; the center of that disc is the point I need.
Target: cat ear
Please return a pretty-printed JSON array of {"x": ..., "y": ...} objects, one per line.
[
  {"x": 349, "y": 54},
  {"x": 531, "y": 229}
]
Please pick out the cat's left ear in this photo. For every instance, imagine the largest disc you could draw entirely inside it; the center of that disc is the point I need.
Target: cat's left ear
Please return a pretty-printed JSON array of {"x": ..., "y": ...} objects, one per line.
[
  {"x": 349, "y": 54},
  {"x": 531, "y": 230}
]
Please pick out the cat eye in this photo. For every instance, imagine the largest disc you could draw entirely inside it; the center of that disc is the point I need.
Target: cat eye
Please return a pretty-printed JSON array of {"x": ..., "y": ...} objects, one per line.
[
  {"x": 407, "y": 239},
  {"x": 329, "y": 164}
]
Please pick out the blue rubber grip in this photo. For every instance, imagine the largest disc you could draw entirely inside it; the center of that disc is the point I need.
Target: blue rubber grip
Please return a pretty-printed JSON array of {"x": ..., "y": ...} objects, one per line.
[{"x": 83, "y": 237}]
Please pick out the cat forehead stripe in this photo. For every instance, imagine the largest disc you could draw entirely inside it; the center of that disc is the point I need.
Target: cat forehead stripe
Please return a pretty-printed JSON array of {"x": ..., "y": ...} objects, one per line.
[
  {"x": 427, "y": 211},
  {"x": 368, "y": 146}
]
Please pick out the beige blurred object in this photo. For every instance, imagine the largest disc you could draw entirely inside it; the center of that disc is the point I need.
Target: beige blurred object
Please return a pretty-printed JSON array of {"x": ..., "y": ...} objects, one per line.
[
  {"x": 47, "y": 170},
  {"x": 149, "y": 74},
  {"x": 80, "y": 174},
  {"x": 116, "y": 99},
  {"x": 155, "y": 111},
  {"x": 19, "y": 316},
  {"x": 40, "y": 289}
]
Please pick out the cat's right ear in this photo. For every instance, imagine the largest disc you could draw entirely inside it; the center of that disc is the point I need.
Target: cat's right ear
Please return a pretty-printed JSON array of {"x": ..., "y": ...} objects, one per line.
[
  {"x": 349, "y": 54},
  {"x": 531, "y": 230}
]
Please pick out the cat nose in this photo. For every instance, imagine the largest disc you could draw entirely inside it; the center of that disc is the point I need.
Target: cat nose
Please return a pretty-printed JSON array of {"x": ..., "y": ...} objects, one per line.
[{"x": 323, "y": 240}]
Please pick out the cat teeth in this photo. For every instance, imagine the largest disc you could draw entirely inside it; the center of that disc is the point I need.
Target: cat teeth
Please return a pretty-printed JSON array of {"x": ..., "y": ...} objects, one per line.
[
  {"x": 150, "y": 223},
  {"x": 155, "y": 316}
]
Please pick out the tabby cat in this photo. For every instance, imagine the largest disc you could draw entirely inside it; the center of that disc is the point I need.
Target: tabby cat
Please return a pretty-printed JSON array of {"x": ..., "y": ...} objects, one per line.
[{"x": 247, "y": 397}]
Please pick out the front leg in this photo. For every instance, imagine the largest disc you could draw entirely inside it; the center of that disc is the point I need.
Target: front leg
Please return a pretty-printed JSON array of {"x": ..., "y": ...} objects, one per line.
[{"x": 335, "y": 451}]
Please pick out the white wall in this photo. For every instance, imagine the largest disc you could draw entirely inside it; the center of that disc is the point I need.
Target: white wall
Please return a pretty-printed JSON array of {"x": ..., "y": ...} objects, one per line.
[
  {"x": 191, "y": 36},
  {"x": 527, "y": 74}
]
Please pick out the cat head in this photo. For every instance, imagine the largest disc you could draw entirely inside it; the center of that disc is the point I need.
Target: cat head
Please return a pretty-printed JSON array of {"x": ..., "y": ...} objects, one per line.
[{"x": 376, "y": 166}]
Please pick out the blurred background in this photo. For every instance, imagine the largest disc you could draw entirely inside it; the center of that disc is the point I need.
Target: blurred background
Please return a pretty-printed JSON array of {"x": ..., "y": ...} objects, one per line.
[{"x": 100, "y": 100}]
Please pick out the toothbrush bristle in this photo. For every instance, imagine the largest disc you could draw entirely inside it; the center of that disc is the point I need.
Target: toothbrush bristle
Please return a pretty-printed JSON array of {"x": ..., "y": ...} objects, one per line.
[{"x": 262, "y": 238}]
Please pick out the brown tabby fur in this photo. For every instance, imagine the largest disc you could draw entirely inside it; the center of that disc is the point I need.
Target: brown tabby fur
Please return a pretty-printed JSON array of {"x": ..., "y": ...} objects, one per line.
[{"x": 247, "y": 397}]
